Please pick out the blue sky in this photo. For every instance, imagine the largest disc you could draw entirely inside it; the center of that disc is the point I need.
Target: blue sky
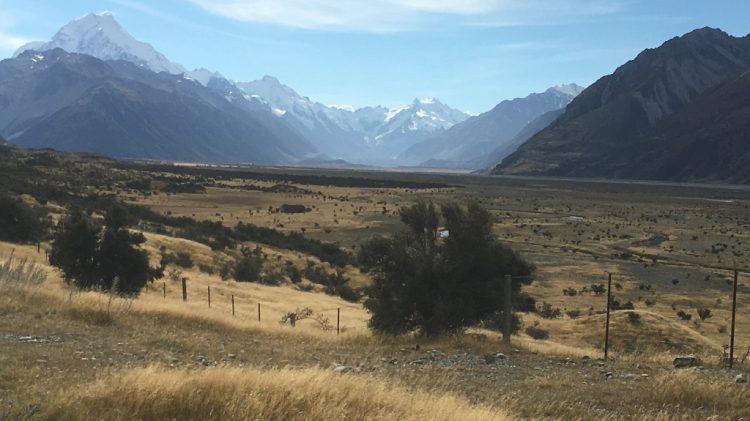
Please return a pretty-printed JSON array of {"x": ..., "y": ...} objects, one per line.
[{"x": 470, "y": 54}]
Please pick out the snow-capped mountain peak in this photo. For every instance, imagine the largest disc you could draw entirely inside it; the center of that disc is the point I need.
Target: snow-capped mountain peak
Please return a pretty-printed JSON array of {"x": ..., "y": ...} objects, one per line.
[
  {"x": 101, "y": 36},
  {"x": 571, "y": 89},
  {"x": 203, "y": 75}
]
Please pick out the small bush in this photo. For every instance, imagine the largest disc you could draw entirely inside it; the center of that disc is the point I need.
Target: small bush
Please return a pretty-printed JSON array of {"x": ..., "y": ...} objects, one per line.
[
  {"x": 247, "y": 269},
  {"x": 684, "y": 316},
  {"x": 206, "y": 268},
  {"x": 181, "y": 259},
  {"x": 272, "y": 278},
  {"x": 537, "y": 333},
  {"x": 598, "y": 289},
  {"x": 287, "y": 208},
  {"x": 294, "y": 274},
  {"x": 634, "y": 318},
  {"x": 573, "y": 314},
  {"x": 188, "y": 187},
  {"x": 20, "y": 223},
  {"x": 704, "y": 313},
  {"x": 225, "y": 271},
  {"x": 548, "y": 312}
]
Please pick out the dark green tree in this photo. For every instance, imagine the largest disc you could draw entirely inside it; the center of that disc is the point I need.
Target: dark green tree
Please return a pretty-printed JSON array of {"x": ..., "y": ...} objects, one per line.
[
  {"x": 74, "y": 250},
  {"x": 19, "y": 222},
  {"x": 247, "y": 268},
  {"x": 96, "y": 257},
  {"x": 437, "y": 279}
]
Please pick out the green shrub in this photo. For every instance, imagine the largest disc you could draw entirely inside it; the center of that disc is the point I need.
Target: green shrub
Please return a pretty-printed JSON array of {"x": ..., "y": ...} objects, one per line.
[
  {"x": 20, "y": 223},
  {"x": 548, "y": 312},
  {"x": 537, "y": 333},
  {"x": 437, "y": 283},
  {"x": 247, "y": 269},
  {"x": 105, "y": 258}
]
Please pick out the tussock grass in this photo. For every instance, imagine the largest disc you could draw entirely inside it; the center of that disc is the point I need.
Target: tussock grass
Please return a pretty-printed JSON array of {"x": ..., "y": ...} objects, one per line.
[
  {"x": 670, "y": 395},
  {"x": 698, "y": 391},
  {"x": 251, "y": 394},
  {"x": 21, "y": 271}
]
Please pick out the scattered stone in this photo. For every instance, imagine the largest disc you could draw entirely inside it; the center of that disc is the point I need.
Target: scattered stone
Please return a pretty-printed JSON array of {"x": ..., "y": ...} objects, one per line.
[
  {"x": 340, "y": 368},
  {"x": 608, "y": 375},
  {"x": 231, "y": 356},
  {"x": 41, "y": 339},
  {"x": 490, "y": 359},
  {"x": 685, "y": 361},
  {"x": 500, "y": 356},
  {"x": 173, "y": 360},
  {"x": 741, "y": 378}
]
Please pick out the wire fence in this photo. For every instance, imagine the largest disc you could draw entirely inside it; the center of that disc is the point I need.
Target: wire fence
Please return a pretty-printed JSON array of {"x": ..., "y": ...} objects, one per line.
[{"x": 233, "y": 303}]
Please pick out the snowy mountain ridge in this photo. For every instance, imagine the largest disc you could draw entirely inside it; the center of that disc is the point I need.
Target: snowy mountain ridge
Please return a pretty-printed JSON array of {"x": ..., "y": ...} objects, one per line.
[{"x": 101, "y": 36}]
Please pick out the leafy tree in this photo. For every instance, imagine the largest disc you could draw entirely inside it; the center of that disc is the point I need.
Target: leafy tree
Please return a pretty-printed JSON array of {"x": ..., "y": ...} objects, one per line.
[
  {"x": 92, "y": 256},
  {"x": 20, "y": 223},
  {"x": 247, "y": 268},
  {"x": 435, "y": 283},
  {"x": 74, "y": 250}
]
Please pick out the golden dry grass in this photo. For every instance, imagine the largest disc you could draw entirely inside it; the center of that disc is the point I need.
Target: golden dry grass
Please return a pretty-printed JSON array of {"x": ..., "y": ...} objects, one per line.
[{"x": 248, "y": 394}]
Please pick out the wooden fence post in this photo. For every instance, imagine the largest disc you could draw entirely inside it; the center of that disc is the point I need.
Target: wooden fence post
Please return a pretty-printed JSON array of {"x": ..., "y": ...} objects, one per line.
[
  {"x": 164, "y": 289},
  {"x": 507, "y": 320},
  {"x": 184, "y": 289},
  {"x": 338, "y": 320},
  {"x": 209, "y": 296},
  {"x": 232, "y": 304},
  {"x": 734, "y": 313},
  {"x": 258, "y": 312},
  {"x": 606, "y": 328}
]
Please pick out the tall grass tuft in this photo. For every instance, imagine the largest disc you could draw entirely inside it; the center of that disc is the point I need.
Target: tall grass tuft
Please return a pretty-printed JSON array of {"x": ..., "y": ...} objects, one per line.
[
  {"x": 21, "y": 272},
  {"x": 252, "y": 394}
]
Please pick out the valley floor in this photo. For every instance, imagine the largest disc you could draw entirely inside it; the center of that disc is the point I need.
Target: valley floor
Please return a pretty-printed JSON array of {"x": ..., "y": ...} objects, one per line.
[
  {"x": 73, "y": 355},
  {"x": 671, "y": 249}
]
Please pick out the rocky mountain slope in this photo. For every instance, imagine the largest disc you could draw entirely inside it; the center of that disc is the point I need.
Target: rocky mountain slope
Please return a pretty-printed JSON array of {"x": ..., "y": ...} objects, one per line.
[
  {"x": 655, "y": 117},
  {"x": 366, "y": 135},
  {"x": 101, "y": 36},
  {"x": 76, "y": 102},
  {"x": 469, "y": 143},
  {"x": 370, "y": 135}
]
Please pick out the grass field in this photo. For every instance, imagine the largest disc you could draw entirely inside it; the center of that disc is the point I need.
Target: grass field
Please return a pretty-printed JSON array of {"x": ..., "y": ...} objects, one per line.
[{"x": 669, "y": 249}]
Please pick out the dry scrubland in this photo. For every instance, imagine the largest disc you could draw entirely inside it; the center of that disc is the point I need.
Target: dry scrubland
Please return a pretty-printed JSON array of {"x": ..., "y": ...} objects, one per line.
[{"x": 669, "y": 248}]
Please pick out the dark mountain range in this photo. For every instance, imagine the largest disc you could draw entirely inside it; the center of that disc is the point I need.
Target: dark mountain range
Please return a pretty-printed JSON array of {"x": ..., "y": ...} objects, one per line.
[
  {"x": 468, "y": 143},
  {"x": 507, "y": 148},
  {"x": 676, "y": 112},
  {"x": 76, "y": 102}
]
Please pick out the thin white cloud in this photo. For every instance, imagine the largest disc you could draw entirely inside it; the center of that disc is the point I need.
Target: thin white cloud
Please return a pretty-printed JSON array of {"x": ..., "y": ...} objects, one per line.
[
  {"x": 404, "y": 15},
  {"x": 527, "y": 46},
  {"x": 9, "y": 42},
  {"x": 171, "y": 17}
]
